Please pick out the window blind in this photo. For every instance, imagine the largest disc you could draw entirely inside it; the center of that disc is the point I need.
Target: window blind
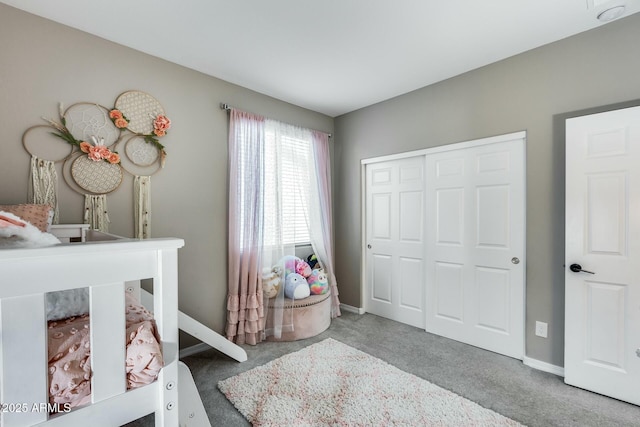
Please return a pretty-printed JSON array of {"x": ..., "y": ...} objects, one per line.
[{"x": 287, "y": 187}]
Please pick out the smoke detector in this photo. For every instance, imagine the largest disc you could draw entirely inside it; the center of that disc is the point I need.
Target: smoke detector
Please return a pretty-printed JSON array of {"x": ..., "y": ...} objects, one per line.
[{"x": 611, "y": 13}]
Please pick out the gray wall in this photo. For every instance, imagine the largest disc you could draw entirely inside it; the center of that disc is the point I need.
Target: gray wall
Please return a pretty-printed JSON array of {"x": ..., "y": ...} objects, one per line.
[
  {"x": 43, "y": 63},
  {"x": 534, "y": 91}
]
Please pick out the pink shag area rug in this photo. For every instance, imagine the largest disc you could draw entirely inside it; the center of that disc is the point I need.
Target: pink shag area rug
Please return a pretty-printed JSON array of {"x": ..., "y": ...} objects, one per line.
[{"x": 332, "y": 384}]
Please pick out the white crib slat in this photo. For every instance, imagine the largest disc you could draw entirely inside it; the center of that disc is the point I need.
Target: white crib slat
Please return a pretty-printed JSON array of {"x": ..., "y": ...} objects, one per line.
[
  {"x": 133, "y": 287},
  {"x": 23, "y": 360},
  {"x": 165, "y": 293},
  {"x": 107, "y": 341}
]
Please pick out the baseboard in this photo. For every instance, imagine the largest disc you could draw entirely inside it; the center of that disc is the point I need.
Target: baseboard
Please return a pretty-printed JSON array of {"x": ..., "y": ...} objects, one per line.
[
  {"x": 532, "y": 363},
  {"x": 352, "y": 309},
  {"x": 543, "y": 366},
  {"x": 194, "y": 349}
]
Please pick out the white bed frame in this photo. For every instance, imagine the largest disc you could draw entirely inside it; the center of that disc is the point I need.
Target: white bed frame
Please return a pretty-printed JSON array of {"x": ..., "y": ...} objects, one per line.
[
  {"x": 210, "y": 338},
  {"x": 105, "y": 267}
]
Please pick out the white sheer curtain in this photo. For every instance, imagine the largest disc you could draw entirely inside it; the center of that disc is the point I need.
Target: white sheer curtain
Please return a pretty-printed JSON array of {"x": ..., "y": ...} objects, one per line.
[
  {"x": 312, "y": 193},
  {"x": 279, "y": 185},
  {"x": 288, "y": 162},
  {"x": 320, "y": 223}
]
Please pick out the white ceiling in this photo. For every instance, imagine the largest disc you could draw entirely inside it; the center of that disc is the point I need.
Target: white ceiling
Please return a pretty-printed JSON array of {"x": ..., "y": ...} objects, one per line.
[{"x": 330, "y": 56}]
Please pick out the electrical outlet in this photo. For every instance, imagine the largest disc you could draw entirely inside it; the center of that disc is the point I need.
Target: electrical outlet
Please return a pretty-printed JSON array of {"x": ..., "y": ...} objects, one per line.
[{"x": 541, "y": 329}]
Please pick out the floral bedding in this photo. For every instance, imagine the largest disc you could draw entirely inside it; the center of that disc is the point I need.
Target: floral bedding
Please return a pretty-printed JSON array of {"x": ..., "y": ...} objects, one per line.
[{"x": 70, "y": 362}]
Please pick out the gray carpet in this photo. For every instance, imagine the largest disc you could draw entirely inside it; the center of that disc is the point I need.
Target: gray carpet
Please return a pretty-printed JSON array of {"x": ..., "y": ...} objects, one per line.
[{"x": 500, "y": 383}]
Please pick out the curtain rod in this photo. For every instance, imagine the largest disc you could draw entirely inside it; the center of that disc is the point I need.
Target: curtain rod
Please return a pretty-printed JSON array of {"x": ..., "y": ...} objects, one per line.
[{"x": 228, "y": 107}]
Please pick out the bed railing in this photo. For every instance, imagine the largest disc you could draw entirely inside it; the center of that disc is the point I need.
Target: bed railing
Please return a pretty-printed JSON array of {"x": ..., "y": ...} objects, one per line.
[
  {"x": 27, "y": 274},
  {"x": 209, "y": 338}
]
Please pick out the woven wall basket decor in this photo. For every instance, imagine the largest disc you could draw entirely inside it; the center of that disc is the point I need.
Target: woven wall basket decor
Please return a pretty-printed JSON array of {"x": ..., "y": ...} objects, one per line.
[
  {"x": 140, "y": 109},
  {"x": 85, "y": 119},
  {"x": 96, "y": 177},
  {"x": 141, "y": 152}
]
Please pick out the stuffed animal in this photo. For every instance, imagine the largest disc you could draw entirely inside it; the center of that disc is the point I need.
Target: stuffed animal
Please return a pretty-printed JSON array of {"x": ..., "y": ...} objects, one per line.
[
  {"x": 296, "y": 287},
  {"x": 318, "y": 283},
  {"x": 293, "y": 264},
  {"x": 278, "y": 270},
  {"x": 271, "y": 280},
  {"x": 16, "y": 233},
  {"x": 312, "y": 260},
  {"x": 288, "y": 262},
  {"x": 302, "y": 268}
]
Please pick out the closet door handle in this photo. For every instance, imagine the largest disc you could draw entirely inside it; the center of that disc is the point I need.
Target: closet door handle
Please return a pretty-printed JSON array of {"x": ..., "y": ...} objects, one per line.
[{"x": 369, "y": 246}]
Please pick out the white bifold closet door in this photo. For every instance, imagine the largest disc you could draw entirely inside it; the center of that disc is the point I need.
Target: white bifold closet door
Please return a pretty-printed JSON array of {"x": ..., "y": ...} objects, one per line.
[
  {"x": 394, "y": 254},
  {"x": 475, "y": 226}
]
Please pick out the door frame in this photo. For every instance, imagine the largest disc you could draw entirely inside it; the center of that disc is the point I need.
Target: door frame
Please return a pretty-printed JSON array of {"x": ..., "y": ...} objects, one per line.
[{"x": 433, "y": 150}]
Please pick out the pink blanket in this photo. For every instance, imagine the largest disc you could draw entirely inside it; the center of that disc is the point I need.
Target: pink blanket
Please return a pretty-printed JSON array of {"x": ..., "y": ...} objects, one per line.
[{"x": 69, "y": 351}]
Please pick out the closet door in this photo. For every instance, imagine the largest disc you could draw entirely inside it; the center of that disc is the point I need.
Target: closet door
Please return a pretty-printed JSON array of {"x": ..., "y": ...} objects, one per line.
[
  {"x": 394, "y": 253},
  {"x": 475, "y": 245}
]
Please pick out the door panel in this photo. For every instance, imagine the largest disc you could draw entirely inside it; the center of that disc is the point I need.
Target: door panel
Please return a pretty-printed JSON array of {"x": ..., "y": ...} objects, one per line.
[
  {"x": 381, "y": 216},
  {"x": 410, "y": 215},
  {"x": 606, "y": 213},
  {"x": 602, "y": 310},
  {"x": 411, "y": 282},
  {"x": 381, "y": 278},
  {"x": 449, "y": 289},
  {"x": 605, "y": 337},
  {"x": 475, "y": 226},
  {"x": 493, "y": 298},
  {"x": 450, "y": 216},
  {"x": 394, "y": 270},
  {"x": 493, "y": 223}
]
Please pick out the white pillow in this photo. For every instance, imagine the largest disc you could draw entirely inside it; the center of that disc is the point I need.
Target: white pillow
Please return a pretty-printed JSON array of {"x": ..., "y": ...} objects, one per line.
[
  {"x": 40, "y": 216},
  {"x": 25, "y": 236}
]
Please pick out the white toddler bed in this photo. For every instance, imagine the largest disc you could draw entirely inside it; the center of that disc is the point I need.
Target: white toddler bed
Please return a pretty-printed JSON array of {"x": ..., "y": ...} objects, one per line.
[{"x": 105, "y": 267}]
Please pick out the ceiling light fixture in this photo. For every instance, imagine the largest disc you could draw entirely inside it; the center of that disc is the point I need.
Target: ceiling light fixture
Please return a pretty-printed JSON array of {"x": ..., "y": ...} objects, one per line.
[{"x": 611, "y": 13}]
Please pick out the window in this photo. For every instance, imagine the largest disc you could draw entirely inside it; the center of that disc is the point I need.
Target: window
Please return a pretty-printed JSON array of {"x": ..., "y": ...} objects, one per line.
[
  {"x": 287, "y": 184},
  {"x": 274, "y": 189}
]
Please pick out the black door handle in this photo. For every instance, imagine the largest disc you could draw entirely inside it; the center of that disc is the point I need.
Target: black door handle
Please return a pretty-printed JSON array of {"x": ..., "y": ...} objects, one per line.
[{"x": 577, "y": 268}]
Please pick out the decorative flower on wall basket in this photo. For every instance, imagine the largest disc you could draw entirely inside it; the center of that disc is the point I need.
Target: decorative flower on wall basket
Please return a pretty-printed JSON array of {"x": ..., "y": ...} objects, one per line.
[
  {"x": 96, "y": 150},
  {"x": 118, "y": 119},
  {"x": 161, "y": 125}
]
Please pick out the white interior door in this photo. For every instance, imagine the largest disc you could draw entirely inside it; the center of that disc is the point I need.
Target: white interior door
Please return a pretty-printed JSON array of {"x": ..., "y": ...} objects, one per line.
[
  {"x": 394, "y": 270},
  {"x": 602, "y": 310},
  {"x": 475, "y": 245}
]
